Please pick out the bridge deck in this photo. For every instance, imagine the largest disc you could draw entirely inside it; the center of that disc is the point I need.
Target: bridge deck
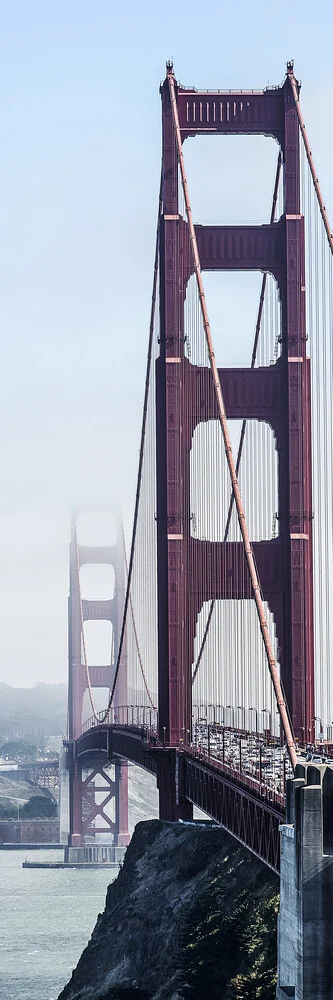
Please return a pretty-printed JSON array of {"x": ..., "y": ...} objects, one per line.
[{"x": 248, "y": 809}]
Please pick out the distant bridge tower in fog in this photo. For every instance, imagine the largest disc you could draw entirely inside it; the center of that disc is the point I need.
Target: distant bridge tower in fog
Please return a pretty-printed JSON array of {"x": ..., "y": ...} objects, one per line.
[{"x": 98, "y": 800}]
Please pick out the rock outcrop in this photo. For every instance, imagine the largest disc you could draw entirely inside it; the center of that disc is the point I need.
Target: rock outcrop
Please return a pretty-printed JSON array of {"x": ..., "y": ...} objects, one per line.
[{"x": 191, "y": 915}]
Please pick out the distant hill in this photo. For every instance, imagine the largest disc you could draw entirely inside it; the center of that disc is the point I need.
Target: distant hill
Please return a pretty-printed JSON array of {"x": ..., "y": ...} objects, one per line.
[{"x": 34, "y": 713}]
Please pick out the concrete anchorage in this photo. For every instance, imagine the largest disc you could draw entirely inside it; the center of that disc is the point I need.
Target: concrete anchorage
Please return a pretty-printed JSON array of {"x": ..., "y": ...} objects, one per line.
[{"x": 305, "y": 922}]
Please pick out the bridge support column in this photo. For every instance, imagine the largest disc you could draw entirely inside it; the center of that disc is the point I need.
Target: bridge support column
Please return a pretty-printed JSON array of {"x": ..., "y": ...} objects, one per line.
[
  {"x": 122, "y": 836},
  {"x": 305, "y": 923},
  {"x": 75, "y": 804},
  {"x": 92, "y": 790},
  {"x": 63, "y": 797},
  {"x": 173, "y": 804},
  {"x": 84, "y": 812}
]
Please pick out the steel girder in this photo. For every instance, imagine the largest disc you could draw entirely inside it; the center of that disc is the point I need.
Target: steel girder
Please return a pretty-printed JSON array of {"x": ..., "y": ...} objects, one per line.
[{"x": 253, "y": 821}]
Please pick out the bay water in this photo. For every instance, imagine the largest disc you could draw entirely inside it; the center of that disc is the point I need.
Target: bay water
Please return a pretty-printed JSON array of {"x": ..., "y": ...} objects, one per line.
[{"x": 46, "y": 919}]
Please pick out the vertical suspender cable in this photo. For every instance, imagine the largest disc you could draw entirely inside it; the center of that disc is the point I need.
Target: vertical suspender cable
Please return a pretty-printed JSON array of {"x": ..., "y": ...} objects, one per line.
[
  {"x": 243, "y": 428},
  {"x": 227, "y": 444},
  {"x": 319, "y": 411},
  {"x": 256, "y": 337}
]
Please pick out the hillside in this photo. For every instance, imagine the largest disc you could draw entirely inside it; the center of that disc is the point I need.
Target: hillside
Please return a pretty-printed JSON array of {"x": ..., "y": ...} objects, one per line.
[
  {"x": 32, "y": 713},
  {"x": 191, "y": 915}
]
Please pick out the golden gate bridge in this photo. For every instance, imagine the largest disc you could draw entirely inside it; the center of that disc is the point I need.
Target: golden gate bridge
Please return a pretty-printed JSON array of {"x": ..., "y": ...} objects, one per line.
[{"x": 220, "y": 681}]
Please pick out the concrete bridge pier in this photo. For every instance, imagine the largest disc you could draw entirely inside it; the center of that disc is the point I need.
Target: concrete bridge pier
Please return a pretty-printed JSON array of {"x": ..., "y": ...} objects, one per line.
[
  {"x": 305, "y": 922},
  {"x": 173, "y": 804},
  {"x": 63, "y": 797}
]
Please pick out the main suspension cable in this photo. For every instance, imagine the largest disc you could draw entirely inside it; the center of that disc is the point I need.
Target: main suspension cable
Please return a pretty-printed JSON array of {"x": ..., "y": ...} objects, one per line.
[
  {"x": 329, "y": 234},
  {"x": 227, "y": 443},
  {"x": 141, "y": 455},
  {"x": 136, "y": 633}
]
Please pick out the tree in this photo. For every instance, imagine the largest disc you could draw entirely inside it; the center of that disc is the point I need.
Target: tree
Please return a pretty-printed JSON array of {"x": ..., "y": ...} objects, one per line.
[
  {"x": 39, "y": 807},
  {"x": 18, "y": 750}
]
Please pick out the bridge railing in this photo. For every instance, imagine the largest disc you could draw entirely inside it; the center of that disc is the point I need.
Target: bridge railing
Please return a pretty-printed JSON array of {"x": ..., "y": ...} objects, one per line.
[
  {"x": 249, "y": 783},
  {"x": 259, "y": 759},
  {"x": 125, "y": 715}
]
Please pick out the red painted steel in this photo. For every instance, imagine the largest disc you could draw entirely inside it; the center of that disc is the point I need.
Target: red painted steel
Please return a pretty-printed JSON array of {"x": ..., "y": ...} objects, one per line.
[
  {"x": 191, "y": 571},
  {"x": 172, "y": 529},
  {"x": 242, "y": 521},
  {"x": 253, "y": 821},
  {"x": 296, "y": 518},
  {"x": 230, "y": 112},
  {"x": 242, "y": 248},
  {"x": 249, "y": 810},
  {"x": 285, "y": 563},
  {"x": 99, "y": 676}
]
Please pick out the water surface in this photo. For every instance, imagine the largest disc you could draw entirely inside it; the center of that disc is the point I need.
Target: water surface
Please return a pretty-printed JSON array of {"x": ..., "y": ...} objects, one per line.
[{"x": 46, "y": 919}]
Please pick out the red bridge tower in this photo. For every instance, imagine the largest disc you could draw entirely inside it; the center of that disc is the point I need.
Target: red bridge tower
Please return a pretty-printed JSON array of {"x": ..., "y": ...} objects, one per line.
[
  {"x": 91, "y": 787},
  {"x": 192, "y": 571}
]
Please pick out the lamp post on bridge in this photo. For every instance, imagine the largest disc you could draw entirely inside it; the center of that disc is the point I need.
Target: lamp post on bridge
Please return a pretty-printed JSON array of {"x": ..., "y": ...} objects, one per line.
[
  {"x": 263, "y": 710},
  {"x": 221, "y": 723},
  {"x": 303, "y": 730},
  {"x": 201, "y": 721},
  {"x": 240, "y": 708},
  {"x": 231, "y": 708},
  {"x": 255, "y": 710},
  {"x": 316, "y": 718}
]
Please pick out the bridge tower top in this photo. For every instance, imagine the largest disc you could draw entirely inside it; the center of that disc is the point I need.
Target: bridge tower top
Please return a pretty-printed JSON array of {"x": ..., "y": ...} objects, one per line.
[{"x": 80, "y": 610}]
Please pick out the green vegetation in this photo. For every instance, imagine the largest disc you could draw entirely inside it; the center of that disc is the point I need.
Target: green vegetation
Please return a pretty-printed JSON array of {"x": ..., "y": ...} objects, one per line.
[
  {"x": 192, "y": 915},
  {"x": 228, "y": 942},
  {"x": 38, "y": 807},
  {"x": 18, "y": 750}
]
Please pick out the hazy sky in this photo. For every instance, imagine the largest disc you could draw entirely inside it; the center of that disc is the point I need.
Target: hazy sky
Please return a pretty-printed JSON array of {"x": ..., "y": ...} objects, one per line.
[{"x": 79, "y": 175}]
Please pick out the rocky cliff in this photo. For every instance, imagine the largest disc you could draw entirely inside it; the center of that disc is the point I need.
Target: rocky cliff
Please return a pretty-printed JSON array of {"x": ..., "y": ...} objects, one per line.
[{"x": 191, "y": 915}]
